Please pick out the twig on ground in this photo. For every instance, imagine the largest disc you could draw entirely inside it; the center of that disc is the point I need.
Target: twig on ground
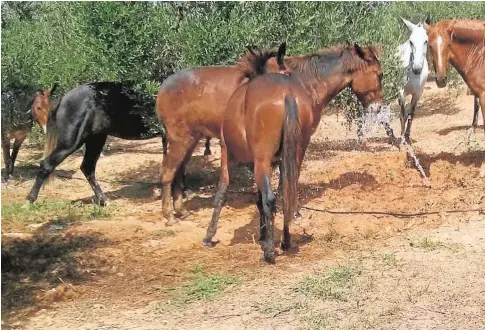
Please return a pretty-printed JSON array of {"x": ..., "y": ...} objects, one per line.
[{"x": 394, "y": 214}]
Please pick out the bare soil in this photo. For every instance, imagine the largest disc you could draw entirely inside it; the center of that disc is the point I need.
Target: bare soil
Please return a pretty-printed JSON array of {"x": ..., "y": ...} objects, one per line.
[{"x": 416, "y": 255}]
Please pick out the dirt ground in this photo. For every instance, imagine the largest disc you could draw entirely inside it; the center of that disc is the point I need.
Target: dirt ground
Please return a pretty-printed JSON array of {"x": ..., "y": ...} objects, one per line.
[{"x": 388, "y": 254}]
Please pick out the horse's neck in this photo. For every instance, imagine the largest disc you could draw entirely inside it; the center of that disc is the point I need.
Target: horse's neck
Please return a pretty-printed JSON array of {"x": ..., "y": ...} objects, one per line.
[
  {"x": 404, "y": 53},
  {"x": 323, "y": 90},
  {"x": 460, "y": 56}
]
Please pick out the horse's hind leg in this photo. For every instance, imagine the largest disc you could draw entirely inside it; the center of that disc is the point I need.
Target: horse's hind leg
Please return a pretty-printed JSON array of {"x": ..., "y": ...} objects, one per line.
[
  {"x": 170, "y": 165},
  {"x": 262, "y": 218},
  {"x": 179, "y": 185},
  {"x": 94, "y": 147},
  {"x": 207, "y": 150},
  {"x": 262, "y": 176},
  {"x": 15, "y": 151},
  {"x": 219, "y": 199}
]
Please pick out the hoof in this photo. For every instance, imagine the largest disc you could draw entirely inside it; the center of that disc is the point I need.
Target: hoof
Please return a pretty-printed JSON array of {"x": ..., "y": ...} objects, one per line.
[
  {"x": 285, "y": 246},
  {"x": 208, "y": 243},
  {"x": 482, "y": 171},
  {"x": 101, "y": 202},
  {"x": 207, "y": 152},
  {"x": 182, "y": 213},
  {"x": 269, "y": 258},
  {"x": 170, "y": 222}
]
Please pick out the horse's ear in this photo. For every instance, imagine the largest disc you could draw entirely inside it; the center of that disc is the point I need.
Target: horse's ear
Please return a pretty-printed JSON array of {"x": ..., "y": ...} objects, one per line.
[
  {"x": 377, "y": 50},
  {"x": 251, "y": 50},
  {"x": 280, "y": 57},
  {"x": 410, "y": 25},
  {"x": 52, "y": 89},
  {"x": 427, "y": 23},
  {"x": 359, "y": 51}
]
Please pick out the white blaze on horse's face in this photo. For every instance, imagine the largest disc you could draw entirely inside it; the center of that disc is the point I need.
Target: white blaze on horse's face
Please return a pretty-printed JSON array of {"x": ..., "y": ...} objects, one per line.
[
  {"x": 439, "y": 42},
  {"x": 418, "y": 41}
]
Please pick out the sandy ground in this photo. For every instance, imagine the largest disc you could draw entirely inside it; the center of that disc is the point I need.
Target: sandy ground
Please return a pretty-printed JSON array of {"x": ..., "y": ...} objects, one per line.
[{"x": 414, "y": 260}]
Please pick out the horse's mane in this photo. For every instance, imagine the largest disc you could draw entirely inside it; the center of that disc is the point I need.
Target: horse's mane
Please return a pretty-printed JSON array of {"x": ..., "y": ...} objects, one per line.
[
  {"x": 470, "y": 30},
  {"x": 253, "y": 62},
  {"x": 323, "y": 62}
]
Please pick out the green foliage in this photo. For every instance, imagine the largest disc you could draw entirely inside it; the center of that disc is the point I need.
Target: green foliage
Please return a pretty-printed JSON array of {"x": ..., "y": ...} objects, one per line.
[{"x": 144, "y": 42}]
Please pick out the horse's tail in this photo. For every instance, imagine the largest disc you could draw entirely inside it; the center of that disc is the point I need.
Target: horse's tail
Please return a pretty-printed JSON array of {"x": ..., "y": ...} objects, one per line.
[
  {"x": 51, "y": 135},
  {"x": 291, "y": 139},
  {"x": 162, "y": 126},
  {"x": 51, "y": 138}
]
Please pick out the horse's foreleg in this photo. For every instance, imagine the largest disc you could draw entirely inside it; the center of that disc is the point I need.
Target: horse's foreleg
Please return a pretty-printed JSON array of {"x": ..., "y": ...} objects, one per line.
[
  {"x": 402, "y": 116},
  {"x": 164, "y": 144},
  {"x": 15, "y": 151},
  {"x": 219, "y": 199},
  {"x": 94, "y": 147},
  {"x": 409, "y": 120},
  {"x": 475, "y": 113},
  {"x": 6, "y": 157},
  {"x": 482, "y": 105},
  {"x": 47, "y": 166},
  {"x": 207, "y": 150}
]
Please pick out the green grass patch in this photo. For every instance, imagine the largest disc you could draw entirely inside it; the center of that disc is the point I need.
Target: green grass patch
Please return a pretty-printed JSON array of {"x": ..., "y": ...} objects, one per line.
[
  {"x": 331, "y": 284},
  {"x": 428, "y": 244},
  {"x": 315, "y": 320},
  {"x": 204, "y": 286},
  {"x": 161, "y": 233},
  {"x": 48, "y": 209},
  {"x": 389, "y": 258}
]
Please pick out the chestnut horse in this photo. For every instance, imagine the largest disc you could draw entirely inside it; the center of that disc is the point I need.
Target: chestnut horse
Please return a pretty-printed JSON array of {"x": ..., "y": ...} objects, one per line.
[
  {"x": 190, "y": 105},
  {"x": 274, "y": 115},
  {"x": 18, "y": 132},
  {"x": 462, "y": 43}
]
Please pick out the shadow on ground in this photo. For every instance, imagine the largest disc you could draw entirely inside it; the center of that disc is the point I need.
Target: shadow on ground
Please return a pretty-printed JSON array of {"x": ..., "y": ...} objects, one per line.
[{"x": 45, "y": 263}]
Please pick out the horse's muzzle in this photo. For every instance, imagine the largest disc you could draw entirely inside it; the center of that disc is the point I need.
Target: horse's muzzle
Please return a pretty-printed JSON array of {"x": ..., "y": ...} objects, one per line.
[
  {"x": 441, "y": 81},
  {"x": 417, "y": 71}
]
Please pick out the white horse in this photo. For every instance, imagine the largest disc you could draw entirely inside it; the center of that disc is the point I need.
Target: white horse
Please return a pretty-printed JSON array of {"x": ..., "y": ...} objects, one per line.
[{"x": 413, "y": 56}]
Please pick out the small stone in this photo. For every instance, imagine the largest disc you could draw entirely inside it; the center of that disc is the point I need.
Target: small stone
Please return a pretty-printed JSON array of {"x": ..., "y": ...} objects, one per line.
[{"x": 120, "y": 274}]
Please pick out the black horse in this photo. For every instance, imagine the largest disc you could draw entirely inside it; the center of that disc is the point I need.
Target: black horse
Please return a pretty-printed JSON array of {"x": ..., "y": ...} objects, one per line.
[{"x": 86, "y": 115}]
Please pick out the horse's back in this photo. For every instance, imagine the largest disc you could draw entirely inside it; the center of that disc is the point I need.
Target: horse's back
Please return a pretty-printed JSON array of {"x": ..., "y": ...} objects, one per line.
[
  {"x": 195, "y": 98},
  {"x": 107, "y": 107}
]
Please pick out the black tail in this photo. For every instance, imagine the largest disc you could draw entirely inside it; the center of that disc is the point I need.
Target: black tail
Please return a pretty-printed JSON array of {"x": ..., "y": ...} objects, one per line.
[
  {"x": 163, "y": 129},
  {"x": 291, "y": 140}
]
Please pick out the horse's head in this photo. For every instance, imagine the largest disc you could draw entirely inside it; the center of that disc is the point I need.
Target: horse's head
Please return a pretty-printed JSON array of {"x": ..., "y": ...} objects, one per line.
[
  {"x": 440, "y": 38},
  {"x": 366, "y": 83},
  {"x": 418, "y": 41},
  {"x": 41, "y": 106},
  {"x": 256, "y": 62}
]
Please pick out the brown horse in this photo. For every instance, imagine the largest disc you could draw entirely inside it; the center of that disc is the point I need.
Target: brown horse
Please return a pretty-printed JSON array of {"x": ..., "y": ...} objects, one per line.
[
  {"x": 274, "y": 115},
  {"x": 190, "y": 104},
  {"x": 462, "y": 43},
  {"x": 39, "y": 112}
]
